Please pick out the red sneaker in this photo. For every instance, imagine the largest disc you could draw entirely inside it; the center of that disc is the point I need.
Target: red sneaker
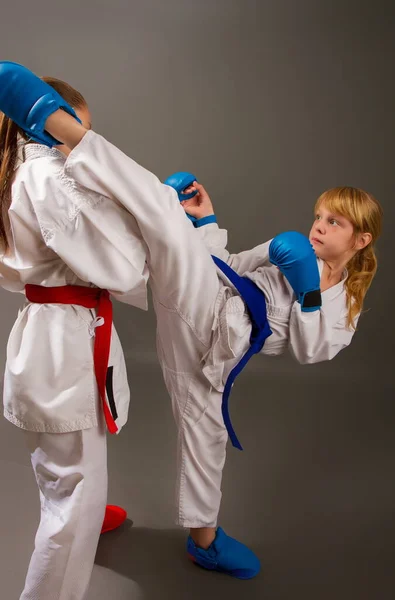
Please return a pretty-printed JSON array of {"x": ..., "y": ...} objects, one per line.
[{"x": 114, "y": 517}]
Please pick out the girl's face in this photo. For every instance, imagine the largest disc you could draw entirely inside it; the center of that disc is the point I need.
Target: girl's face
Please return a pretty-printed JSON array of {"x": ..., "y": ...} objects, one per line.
[{"x": 332, "y": 237}]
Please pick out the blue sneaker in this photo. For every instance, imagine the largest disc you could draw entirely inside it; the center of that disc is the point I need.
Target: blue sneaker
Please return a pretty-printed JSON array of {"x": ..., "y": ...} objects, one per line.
[{"x": 226, "y": 555}]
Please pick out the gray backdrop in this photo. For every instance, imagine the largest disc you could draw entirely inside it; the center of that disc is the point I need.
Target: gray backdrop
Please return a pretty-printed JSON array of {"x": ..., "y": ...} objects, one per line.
[{"x": 269, "y": 103}]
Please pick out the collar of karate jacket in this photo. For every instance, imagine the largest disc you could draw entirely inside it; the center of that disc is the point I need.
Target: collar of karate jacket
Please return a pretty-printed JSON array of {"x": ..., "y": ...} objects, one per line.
[{"x": 32, "y": 151}]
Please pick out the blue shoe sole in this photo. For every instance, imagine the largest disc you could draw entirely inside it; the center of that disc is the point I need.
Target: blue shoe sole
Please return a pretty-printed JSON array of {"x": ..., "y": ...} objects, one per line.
[{"x": 218, "y": 570}]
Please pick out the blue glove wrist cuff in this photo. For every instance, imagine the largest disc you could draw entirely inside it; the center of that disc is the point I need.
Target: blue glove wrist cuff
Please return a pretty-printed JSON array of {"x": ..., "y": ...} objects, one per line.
[{"x": 205, "y": 221}]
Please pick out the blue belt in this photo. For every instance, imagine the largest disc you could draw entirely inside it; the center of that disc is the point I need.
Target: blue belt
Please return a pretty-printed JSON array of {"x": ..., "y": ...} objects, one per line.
[{"x": 255, "y": 302}]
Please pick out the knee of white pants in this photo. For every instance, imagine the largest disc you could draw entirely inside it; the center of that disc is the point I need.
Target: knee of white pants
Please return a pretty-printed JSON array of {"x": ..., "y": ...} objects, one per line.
[{"x": 70, "y": 469}]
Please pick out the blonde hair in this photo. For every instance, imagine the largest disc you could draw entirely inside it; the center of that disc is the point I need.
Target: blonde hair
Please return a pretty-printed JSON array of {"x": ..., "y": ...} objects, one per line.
[
  {"x": 9, "y": 133},
  {"x": 365, "y": 214}
]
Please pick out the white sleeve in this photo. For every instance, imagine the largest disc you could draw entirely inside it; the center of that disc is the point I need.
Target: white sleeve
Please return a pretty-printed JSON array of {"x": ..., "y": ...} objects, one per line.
[
  {"x": 215, "y": 240},
  {"x": 320, "y": 335},
  {"x": 94, "y": 235}
]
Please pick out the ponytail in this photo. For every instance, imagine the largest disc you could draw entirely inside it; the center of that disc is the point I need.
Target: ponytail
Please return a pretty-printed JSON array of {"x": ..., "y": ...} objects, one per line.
[
  {"x": 361, "y": 270},
  {"x": 8, "y": 158}
]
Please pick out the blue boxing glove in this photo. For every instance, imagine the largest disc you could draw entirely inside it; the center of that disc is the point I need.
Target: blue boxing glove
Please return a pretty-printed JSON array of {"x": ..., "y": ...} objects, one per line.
[
  {"x": 29, "y": 101},
  {"x": 180, "y": 181},
  {"x": 293, "y": 254}
]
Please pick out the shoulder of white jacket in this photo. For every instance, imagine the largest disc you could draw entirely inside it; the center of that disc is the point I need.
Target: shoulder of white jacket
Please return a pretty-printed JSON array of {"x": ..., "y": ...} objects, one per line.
[{"x": 44, "y": 170}]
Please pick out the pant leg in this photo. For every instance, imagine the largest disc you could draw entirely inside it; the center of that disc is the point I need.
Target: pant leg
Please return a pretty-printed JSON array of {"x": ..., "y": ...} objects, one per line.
[
  {"x": 185, "y": 288},
  {"x": 71, "y": 473},
  {"x": 202, "y": 436},
  {"x": 182, "y": 273}
]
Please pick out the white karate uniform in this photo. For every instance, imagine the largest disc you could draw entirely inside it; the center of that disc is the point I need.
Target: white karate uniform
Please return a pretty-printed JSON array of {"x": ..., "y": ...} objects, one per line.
[
  {"x": 50, "y": 389},
  {"x": 62, "y": 234},
  {"x": 202, "y": 323}
]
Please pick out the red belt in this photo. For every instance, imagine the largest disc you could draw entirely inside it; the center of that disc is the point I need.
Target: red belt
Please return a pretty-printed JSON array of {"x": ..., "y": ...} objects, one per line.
[{"x": 90, "y": 298}]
